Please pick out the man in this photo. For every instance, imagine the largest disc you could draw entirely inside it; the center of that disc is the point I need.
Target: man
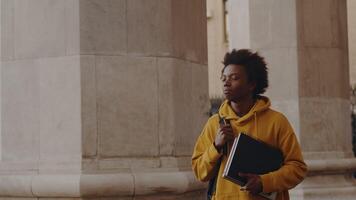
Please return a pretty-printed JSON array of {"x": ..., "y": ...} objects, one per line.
[{"x": 244, "y": 78}]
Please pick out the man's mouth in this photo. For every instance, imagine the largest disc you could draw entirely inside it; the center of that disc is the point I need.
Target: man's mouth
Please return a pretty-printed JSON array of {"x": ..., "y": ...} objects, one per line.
[{"x": 227, "y": 92}]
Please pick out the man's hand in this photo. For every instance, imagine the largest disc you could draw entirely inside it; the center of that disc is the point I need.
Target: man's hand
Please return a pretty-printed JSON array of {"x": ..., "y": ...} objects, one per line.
[
  {"x": 224, "y": 134},
  {"x": 254, "y": 183}
]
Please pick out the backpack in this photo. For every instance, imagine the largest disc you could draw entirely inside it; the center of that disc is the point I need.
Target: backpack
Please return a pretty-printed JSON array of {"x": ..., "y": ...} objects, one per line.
[{"x": 212, "y": 182}]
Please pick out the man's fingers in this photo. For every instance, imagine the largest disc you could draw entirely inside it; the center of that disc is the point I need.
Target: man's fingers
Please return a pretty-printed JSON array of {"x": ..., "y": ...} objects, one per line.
[
  {"x": 253, "y": 184},
  {"x": 227, "y": 131},
  {"x": 228, "y": 137},
  {"x": 225, "y": 127},
  {"x": 248, "y": 185},
  {"x": 243, "y": 188}
]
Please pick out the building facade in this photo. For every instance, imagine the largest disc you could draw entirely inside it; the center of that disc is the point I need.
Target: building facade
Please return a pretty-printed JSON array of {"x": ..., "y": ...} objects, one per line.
[
  {"x": 351, "y": 17},
  {"x": 101, "y": 99},
  {"x": 104, "y": 99}
]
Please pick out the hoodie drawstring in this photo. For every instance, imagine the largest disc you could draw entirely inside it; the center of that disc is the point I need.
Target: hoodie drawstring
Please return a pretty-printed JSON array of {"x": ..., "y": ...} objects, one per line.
[{"x": 255, "y": 114}]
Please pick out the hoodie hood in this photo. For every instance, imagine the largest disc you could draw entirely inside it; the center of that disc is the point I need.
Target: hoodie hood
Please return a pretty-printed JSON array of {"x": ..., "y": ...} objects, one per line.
[{"x": 262, "y": 104}]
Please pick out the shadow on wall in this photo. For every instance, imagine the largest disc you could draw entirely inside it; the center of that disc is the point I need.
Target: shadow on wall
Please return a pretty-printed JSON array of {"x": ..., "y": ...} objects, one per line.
[
  {"x": 215, "y": 105},
  {"x": 353, "y": 117}
]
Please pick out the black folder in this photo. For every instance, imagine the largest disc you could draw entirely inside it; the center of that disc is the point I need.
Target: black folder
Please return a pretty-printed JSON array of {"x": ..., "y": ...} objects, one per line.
[{"x": 249, "y": 155}]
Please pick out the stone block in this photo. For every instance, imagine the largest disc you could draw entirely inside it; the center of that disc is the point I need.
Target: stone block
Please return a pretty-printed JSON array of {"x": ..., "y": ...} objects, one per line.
[
  {"x": 190, "y": 30},
  {"x": 131, "y": 164},
  {"x": 103, "y": 27},
  {"x": 239, "y": 24},
  {"x": 149, "y": 27},
  {"x": 196, "y": 195},
  {"x": 7, "y": 29},
  {"x": 325, "y": 124},
  {"x": 326, "y": 15},
  {"x": 20, "y": 107},
  {"x": 54, "y": 185},
  {"x": 72, "y": 27},
  {"x": 282, "y": 64},
  {"x": 273, "y": 24},
  {"x": 14, "y": 166},
  {"x": 289, "y": 108},
  {"x": 17, "y": 198},
  {"x": 127, "y": 100},
  {"x": 60, "y": 109},
  {"x": 15, "y": 186},
  {"x": 323, "y": 72},
  {"x": 169, "y": 78},
  {"x": 351, "y": 27},
  {"x": 56, "y": 198},
  {"x": 183, "y": 163},
  {"x": 200, "y": 97},
  {"x": 183, "y": 104},
  {"x": 107, "y": 185},
  {"x": 1, "y": 104},
  {"x": 196, "y": 112},
  {"x": 88, "y": 106},
  {"x": 39, "y": 28},
  {"x": 109, "y": 198},
  {"x": 168, "y": 28}
]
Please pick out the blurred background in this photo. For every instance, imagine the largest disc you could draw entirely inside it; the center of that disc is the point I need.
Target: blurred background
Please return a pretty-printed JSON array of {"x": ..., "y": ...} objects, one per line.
[{"x": 104, "y": 99}]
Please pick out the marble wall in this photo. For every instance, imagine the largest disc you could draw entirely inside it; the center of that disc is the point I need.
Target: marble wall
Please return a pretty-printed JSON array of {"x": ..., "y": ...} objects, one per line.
[
  {"x": 40, "y": 86},
  {"x": 144, "y": 95},
  {"x": 269, "y": 27},
  {"x": 323, "y": 76},
  {"x": 305, "y": 45},
  {"x": 101, "y": 93},
  {"x": 351, "y": 16},
  {"x": 218, "y": 40}
]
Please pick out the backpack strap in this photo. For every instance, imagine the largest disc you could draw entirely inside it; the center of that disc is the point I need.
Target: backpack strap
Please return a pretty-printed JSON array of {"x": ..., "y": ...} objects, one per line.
[{"x": 213, "y": 180}]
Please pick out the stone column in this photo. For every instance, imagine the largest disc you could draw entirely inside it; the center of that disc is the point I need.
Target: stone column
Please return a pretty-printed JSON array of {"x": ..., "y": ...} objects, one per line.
[
  {"x": 217, "y": 45},
  {"x": 305, "y": 45},
  {"x": 102, "y": 98},
  {"x": 351, "y": 27}
]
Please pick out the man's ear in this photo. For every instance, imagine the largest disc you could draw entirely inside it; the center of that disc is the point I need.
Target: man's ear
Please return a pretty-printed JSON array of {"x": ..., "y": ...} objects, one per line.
[{"x": 252, "y": 86}]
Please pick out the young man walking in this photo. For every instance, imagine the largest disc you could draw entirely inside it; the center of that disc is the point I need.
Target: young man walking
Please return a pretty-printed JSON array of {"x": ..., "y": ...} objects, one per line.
[{"x": 244, "y": 79}]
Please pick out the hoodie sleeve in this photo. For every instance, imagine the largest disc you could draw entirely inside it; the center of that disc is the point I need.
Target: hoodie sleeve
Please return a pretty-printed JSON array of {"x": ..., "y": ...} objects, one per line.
[
  {"x": 205, "y": 155},
  {"x": 294, "y": 169}
]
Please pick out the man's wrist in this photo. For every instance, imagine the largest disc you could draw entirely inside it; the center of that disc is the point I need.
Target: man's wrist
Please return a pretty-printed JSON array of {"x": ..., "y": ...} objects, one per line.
[{"x": 218, "y": 149}]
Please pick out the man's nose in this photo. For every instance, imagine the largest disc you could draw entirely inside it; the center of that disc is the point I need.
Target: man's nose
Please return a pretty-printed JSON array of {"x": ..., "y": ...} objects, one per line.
[{"x": 227, "y": 83}]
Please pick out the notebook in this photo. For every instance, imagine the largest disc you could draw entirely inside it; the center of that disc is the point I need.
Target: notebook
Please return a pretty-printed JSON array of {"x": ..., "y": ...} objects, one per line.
[{"x": 249, "y": 155}]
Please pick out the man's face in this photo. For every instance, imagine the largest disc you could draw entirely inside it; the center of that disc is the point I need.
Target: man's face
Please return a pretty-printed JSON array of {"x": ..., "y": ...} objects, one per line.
[{"x": 235, "y": 83}]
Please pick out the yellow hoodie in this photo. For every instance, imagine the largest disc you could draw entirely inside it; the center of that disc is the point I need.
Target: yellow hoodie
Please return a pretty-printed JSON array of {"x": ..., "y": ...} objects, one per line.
[{"x": 265, "y": 125}]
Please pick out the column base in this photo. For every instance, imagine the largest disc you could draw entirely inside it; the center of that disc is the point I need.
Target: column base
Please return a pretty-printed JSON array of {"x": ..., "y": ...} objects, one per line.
[
  {"x": 326, "y": 187},
  {"x": 141, "y": 185},
  {"x": 328, "y": 180}
]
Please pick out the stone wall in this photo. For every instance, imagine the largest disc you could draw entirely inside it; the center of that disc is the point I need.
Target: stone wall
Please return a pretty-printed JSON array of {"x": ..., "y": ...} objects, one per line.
[
  {"x": 217, "y": 44},
  {"x": 305, "y": 45},
  {"x": 351, "y": 13},
  {"x": 102, "y": 98}
]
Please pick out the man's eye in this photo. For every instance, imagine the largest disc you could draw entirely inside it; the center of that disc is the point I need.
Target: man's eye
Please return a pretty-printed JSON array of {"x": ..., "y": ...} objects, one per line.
[{"x": 234, "y": 77}]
